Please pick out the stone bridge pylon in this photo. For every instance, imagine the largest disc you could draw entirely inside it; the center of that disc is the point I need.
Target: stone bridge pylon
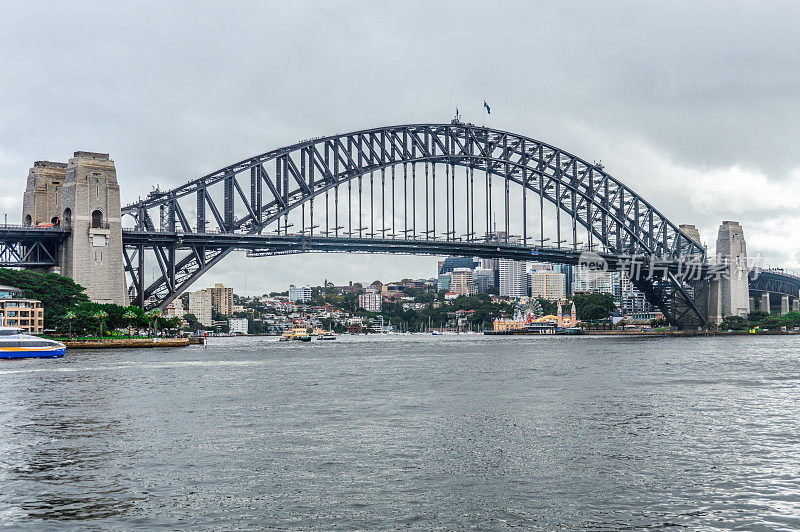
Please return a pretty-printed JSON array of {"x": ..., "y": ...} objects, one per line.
[{"x": 83, "y": 196}]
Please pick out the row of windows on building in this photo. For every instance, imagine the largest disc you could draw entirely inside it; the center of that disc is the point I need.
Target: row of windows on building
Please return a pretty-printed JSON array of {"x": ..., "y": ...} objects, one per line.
[{"x": 16, "y": 311}]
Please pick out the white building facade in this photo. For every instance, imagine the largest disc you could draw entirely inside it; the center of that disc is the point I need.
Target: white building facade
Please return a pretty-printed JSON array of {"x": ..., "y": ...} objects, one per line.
[
  {"x": 299, "y": 294},
  {"x": 200, "y": 306},
  {"x": 237, "y": 325},
  {"x": 371, "y": 301},
  {"x": 513, "y": 280}
]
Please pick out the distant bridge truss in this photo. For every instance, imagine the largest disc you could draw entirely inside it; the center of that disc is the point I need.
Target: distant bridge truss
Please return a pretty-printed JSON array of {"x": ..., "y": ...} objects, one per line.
[
  {"x": 774, "y": 281},
  {"x": 436, "y": 189}
]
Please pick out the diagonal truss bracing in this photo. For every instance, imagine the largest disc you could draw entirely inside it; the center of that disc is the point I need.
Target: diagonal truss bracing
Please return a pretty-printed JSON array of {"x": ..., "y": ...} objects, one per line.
[{"x": 258, "y": 194}]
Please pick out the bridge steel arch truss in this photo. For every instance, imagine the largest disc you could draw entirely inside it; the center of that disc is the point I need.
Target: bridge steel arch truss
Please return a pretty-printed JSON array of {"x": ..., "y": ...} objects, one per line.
[
  {"x": 257, "y": 195},
  {"x": 775, "y": 282}
]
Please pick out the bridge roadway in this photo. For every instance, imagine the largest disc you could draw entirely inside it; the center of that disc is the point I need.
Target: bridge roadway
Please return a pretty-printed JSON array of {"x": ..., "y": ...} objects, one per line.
[
  {"x": 38, "y": 247},
  {"x": 273, "y": 244},
  {"x": 30, "y": 247}
]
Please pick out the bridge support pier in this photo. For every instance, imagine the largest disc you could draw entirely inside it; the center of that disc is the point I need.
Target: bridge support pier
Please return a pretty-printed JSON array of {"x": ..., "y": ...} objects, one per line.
[
  {"x": 796, "y": 305},
  {"x": 753, "y": 306},
  {"x": 764, "y": 305},
  {"x": 91, "y": 206},
  {"x": 785, "y": 304},
  {"x": 82, "y": 196},
  {"x": 729, "y": 296}
]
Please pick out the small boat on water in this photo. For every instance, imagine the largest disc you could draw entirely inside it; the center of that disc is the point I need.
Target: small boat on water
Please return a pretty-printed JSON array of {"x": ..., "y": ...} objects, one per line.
[
  {"x": 322, "y": 334},
  {"x": 14, "y": 343}
]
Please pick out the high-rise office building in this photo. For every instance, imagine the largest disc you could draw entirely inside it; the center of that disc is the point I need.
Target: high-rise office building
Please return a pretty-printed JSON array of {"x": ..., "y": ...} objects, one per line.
[
  {"x": 513, "y": 280},
  {"x": 461, "y": 282},
  {"x": 200, "y": 306},
  {"x": 483, "y": 279},
  {"x": 221, "y": 299},
  {"x": 547, "y": 284}
]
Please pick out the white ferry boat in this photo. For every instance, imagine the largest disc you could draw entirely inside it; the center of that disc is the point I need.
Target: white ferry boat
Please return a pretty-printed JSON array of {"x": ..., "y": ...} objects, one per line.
[{"x": 14, "y": 343}]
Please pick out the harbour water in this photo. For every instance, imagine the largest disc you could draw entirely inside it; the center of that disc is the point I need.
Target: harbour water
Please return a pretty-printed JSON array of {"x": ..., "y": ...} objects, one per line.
[{"x": 417, "y": 431}]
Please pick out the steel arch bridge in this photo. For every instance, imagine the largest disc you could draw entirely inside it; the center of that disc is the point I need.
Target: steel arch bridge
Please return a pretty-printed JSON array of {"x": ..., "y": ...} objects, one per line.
[{"x": 377, "y": 190}]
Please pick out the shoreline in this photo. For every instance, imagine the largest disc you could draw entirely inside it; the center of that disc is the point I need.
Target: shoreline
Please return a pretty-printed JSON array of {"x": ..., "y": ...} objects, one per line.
[
  {"x": 655, "y": 333},
  {"x": 127, "y": 342}
]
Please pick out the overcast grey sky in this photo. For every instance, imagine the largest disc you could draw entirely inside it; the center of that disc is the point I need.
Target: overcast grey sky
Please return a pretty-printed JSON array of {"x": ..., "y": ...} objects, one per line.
[{"x": 696, "y": 105}]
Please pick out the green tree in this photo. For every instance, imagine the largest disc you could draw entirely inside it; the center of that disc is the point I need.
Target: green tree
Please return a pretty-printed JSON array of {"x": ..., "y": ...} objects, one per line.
[
  {"x": 660, "y": 322},
  {"x": 152, "y": 320},
  {"x": 771, "y": 323},
  {"x": 594, "y": 306},
  {"x": 734, "y": 323},
  {"x": 101, "y": 315},
  {"x": 192, "y": 322},
  {"x": 69, "y": 317},
  {"x": 792, "y": 319},
  {"x": 548, "y": 307},
  {"x": 129, "y": 316}
]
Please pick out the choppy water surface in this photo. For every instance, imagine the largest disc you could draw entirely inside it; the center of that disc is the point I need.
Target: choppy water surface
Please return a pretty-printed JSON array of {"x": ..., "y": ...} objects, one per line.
[{"x": 407, "y": 431}]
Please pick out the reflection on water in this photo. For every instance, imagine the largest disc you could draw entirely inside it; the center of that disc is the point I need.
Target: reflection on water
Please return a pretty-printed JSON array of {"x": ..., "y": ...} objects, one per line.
[{"x": 407, "y": 431}]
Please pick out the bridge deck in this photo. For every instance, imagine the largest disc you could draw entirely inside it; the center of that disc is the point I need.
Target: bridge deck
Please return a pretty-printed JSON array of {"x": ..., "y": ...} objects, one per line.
[{"x": 266, "y": 245}]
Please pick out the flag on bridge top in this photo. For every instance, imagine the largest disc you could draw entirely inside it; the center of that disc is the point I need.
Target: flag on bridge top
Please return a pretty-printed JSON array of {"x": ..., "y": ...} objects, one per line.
[{"x": 488, "y": 109}]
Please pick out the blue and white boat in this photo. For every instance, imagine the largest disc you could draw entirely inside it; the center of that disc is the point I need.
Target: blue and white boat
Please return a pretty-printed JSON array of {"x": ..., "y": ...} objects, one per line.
[{"x": 14, "y": 343}]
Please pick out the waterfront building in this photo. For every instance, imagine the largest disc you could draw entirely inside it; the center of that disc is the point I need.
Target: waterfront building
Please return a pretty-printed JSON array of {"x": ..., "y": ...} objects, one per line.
[
  {"x": 221, "y": 299},
  {"x": 461, "y": 282},
  {"x": 371, "y": 301},
  {"x": 566, "y": 315},
  {"x": 513, "y": 281},
  {"x": 644, "y": 318},
  {"x": 9, "y": 292},
  {"x": 300, "y": 294},
  {"x": 200, "y": 306},
  {"x": 548, "y": 285},
  {"x": 16, "y": 311},
  {"x": 237, "y": 325}
]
